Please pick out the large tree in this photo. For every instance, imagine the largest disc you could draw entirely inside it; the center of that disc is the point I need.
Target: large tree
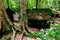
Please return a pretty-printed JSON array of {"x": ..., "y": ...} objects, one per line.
[{"x": 3, "y": 18}]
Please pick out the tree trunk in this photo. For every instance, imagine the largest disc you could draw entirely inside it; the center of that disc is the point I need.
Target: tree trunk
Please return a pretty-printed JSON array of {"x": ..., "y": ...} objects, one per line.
[
  {"x": 3, "y": 17},
  {"x": 24, "y": 17}
]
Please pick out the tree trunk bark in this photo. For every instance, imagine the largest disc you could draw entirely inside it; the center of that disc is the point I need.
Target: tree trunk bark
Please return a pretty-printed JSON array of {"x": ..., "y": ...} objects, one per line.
[
  {"x": 24, "y": 17},
  {"x": 3, "y": 17}
]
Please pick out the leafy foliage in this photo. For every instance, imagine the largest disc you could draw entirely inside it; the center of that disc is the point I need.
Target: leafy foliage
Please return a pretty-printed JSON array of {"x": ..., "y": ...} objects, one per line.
[
  {"x": 48, "y": 34},
  {"x": 31, "y": 4},
  {"x": 54, "y": 4},
  {"x": 46, "y": 3},
  {"x": 5, "y": 3},
  {"x": 12, "y": 4}
]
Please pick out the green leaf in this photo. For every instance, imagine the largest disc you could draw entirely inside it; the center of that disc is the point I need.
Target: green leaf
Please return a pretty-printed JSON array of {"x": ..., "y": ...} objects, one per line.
[
  {"x": 46, "y": 4},
  {"x": 31, "y": 4},
  {"x": 14, "y": 4},
  {"x": 5, "y": 3}
]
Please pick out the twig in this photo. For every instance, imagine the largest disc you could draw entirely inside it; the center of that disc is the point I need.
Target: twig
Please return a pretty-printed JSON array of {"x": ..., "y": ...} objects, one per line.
[{"x": 13, "y": 34}]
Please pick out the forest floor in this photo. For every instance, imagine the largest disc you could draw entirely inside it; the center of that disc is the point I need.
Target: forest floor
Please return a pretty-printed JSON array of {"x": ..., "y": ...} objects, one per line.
[{"x": 18, "y": 36}]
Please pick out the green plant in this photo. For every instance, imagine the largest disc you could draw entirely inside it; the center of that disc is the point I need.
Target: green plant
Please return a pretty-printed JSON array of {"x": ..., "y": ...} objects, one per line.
[
  {"x": 31, "y": 4},
  {"x": 48, "y": 34},
  {"x": 46, "y": 4},
  {"x": 12, "y": 4},
  {"x": 5, "y": 3}
]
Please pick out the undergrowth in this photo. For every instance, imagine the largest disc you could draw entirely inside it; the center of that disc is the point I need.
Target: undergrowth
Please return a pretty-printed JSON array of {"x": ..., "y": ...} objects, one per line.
[{"x": 48, "y": 34}]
